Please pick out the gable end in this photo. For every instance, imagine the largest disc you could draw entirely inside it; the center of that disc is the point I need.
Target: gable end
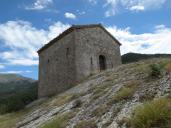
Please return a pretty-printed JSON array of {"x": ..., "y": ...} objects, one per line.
[{"x": 69, "y": 30}]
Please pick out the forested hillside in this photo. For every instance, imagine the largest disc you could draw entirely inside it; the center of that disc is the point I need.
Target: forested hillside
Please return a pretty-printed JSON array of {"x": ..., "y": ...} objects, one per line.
[{"x": 15, "y": 92}]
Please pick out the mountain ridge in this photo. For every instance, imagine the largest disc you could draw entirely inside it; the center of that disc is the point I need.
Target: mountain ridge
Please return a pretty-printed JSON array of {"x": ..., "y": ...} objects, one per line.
[{"x": 134, "y": 57}]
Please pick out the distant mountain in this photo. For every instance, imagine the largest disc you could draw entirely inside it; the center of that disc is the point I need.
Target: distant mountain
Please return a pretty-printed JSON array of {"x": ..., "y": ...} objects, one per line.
[
  {"x": 6, "y": 78},
  {"x": 16, "y": 91},
  {"x": 134, "y": 57}
]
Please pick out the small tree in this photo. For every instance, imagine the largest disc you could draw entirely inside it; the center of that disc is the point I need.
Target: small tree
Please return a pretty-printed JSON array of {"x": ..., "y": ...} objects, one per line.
[{"x": 156, "y": 70}]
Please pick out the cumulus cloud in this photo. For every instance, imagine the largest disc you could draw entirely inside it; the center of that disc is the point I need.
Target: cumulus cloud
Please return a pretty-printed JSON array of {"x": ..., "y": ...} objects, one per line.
[
  {"x": 23, "y": 40},
  {"x": 39, "y": 5},
  {"x": 115, "y": 6},
  {"x": 158, "y": 41},
  {"x": 70, "y": 15}
]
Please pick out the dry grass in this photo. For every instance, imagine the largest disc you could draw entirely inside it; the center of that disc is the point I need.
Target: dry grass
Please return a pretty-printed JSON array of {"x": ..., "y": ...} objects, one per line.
[
  {"x": 153, "y": 114},
  {"x": 63, "y": 99},
  {"x": 126, "y": 92},
  {"x": 10, "y": 120},
  {"x": 59, "y": 122},
  {"x": 99, "y": 91},
  {"x": 101, "y": 110}
]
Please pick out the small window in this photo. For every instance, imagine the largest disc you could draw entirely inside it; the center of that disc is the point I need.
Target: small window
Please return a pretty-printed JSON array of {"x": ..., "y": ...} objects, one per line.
[
  {"x": 91, "y": 59},
  {"x": 67, "y": 52}
]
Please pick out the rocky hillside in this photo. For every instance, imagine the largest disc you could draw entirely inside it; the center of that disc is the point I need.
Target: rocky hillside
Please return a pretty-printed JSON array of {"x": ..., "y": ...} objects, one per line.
[{"x": 135, "y": 95}]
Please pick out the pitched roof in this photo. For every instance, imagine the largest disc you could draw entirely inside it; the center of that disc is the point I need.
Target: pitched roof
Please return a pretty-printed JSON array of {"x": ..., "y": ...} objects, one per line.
[{"x": 71, "y": 29}]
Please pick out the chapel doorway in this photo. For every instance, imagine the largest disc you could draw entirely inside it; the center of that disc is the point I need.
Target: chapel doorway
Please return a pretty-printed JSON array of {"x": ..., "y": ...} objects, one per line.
[{"x": 102, "y": 62}]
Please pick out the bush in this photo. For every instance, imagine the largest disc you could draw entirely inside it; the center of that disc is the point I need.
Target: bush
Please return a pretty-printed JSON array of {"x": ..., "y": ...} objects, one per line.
[
  {"x": 153, "y": 114},
  {"x": 156, "y": 70},
  {"x": 86, "y": 124},
  {"x": 124, "y": 93}
]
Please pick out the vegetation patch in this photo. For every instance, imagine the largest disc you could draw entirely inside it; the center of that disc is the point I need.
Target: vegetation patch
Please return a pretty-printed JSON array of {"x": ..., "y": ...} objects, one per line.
[
  {"x": 111, "y": 78},
  {"x": 156, "y": 70},
  {"x": 86, "y": 124},
  {"x": 10, "y": 120},
  {"x": 77, "y": 103},
  {"x": 147, "y": 96},
  {"x": 98, "y": 112},
  {"x": 65, "y": 98},
  {"x": 14, "y": 96},
  {"x": 124, "y": 93},
  {"x": 59, "y": 122},
  {"x": 100, "y": 91},
  {"x": 153, "y": 114}
]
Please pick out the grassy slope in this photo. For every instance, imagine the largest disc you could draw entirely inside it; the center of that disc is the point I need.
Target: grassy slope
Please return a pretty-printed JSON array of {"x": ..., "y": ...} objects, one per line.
[{"x": 8, "y": 120}]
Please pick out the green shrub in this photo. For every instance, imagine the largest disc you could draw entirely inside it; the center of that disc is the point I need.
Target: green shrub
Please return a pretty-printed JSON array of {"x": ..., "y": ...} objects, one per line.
[
  {"x": 86, "y": 124},
  {"x": 153, "y": 114},
  {"x": 59, "y": 122},
  {"x": 156, "y": 70},
  {"x": 126, "y": 92}
]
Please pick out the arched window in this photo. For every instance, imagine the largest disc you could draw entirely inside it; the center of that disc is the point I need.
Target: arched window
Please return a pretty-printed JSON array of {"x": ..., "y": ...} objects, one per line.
[{"x": 102, "y": 62}]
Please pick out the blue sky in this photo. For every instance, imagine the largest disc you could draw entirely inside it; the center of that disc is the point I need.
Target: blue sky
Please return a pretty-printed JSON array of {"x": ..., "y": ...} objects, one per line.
[{"x": 141, "y": 26}]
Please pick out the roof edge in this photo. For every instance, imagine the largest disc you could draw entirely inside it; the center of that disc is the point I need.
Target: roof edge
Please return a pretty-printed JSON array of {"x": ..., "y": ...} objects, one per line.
[
  {"x": 70, "y": 29},
  {"x": 67, "y": 31}
]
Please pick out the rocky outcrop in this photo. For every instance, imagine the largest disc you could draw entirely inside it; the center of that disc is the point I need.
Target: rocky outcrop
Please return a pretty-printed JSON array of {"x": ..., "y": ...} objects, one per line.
[{"x": 108, "y": 98}]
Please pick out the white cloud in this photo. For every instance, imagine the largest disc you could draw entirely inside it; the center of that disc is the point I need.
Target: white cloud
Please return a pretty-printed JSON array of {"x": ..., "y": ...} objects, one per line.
[
  {"x": 70, "y": 15},
  {"x": 115, "y": 6},
  {"x": 39, "y": 5},
  {"x": 137, "y": 8},
  {"x": 16, "y": 72},
  {"x": 23, "y": 40},
  {"x": 81, "y": 12},
  {"x": 158, "y": 41}
]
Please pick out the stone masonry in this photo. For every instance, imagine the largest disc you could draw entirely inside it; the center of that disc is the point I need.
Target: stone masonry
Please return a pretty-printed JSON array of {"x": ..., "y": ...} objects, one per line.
[{"x": 75, "y": 54}]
